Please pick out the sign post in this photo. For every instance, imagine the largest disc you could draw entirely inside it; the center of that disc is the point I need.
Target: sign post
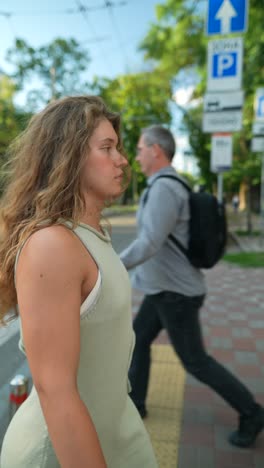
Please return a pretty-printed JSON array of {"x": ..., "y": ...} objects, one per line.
[
  {"x": 221, "y": 158},
  {"x": 257, "y": 145},
  {"x": 223, "y": 102}
]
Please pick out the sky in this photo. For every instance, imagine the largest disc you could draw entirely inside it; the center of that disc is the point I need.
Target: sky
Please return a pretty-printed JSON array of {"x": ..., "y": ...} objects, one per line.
[{"x": 112, "y": 35}]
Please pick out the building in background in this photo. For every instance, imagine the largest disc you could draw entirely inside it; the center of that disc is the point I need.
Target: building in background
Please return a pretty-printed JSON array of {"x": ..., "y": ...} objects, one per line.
[{"x": 184, "y": 160}]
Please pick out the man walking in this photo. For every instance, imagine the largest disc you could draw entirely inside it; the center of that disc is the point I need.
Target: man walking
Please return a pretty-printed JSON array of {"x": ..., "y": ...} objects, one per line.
[{"x": 174, "y": 289}]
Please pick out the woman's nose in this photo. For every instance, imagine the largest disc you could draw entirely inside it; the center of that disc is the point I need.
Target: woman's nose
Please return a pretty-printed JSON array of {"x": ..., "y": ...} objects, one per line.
[{"x": 120, "y": 159}]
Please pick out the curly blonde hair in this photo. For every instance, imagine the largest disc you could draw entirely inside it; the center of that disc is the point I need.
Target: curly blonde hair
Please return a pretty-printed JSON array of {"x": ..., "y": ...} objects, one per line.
[{"x": 43, "y": 182}]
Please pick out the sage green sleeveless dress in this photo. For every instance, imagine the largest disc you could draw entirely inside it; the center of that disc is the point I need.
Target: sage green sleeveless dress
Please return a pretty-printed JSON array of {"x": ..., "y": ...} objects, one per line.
[{"x": 107, "y": 341}]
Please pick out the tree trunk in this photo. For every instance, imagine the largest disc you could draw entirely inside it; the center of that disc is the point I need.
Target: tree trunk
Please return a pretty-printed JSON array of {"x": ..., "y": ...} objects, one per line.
[{"x": 248, "y": 209}]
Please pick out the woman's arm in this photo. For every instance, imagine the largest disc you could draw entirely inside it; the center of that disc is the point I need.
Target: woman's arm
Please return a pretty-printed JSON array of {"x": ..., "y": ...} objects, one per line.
[{"x": 50, "y": 274}]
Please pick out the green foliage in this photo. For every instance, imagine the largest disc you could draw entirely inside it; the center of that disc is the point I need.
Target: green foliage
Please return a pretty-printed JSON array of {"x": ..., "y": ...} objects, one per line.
[
  {"x": 175, "y": 41},
  {"x": 57, "y": 66},
  {"x": 200, "y": 144},
  {"x": 246, "y": 233},
  {"x": 246, "y": 165},
  {"x": 192, "y": 181},
  {"x": 246, "y": 259},
  {"x": 12, "y": 121}
]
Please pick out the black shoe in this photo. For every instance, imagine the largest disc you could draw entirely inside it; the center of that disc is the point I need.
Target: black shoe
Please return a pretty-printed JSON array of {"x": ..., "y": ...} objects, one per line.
[{"x": 249, "y": 428}]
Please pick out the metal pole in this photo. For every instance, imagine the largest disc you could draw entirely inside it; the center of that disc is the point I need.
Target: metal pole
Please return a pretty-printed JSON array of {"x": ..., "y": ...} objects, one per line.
[{"x": 220, "y": 187}]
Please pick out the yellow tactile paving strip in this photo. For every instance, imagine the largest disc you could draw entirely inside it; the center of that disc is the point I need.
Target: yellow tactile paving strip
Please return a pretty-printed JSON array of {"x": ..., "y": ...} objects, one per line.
[{"x": 165, "y": 401}]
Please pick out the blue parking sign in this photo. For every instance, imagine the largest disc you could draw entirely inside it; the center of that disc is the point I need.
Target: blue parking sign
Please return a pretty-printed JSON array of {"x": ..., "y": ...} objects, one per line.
[
  {"x": 226, "y": 16},
  {"x": 225, "y": 64}
]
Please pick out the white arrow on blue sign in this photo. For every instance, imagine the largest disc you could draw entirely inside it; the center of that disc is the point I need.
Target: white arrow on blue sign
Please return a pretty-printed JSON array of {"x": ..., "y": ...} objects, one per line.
[{"x": 226, "y": 16}]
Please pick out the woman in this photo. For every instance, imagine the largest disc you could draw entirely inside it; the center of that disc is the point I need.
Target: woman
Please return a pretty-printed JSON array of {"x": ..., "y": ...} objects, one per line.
[{"x": 73, "y": 293}]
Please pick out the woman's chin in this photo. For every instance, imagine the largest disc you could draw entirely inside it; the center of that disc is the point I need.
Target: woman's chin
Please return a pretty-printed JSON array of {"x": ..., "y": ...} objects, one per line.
[
  {"x": 118, "y": 192},
  {"x": 111, "y": 197},
  {"x": 117, "y": 195}
]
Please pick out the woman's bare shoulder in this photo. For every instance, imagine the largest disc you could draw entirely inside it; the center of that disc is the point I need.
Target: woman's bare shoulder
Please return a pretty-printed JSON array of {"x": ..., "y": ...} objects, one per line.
[
  {"x": 51, "y": 247},
  {"x": 51, "y": 235}
]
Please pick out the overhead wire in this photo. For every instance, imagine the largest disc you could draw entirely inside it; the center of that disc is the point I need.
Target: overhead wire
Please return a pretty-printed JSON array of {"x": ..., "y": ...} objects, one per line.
[
  {"x": 83, "y": 12},
  {"x": 7, "y": 16},
  {"x": 67, "y": 11},
  {"x": 109, "y": 6}
]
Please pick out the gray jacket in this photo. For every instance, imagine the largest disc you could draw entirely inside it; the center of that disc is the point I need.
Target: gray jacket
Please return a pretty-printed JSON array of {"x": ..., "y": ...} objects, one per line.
[{"x": 159, "y": 264}]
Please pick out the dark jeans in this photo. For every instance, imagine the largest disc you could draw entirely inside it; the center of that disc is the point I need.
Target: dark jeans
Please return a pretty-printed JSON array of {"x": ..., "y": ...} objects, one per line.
[{"x": 179, "y": 315}]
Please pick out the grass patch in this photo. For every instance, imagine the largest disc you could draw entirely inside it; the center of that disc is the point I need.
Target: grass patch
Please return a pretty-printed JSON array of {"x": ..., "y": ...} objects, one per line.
[
  {"x": 247, "y": 233},
  {"x": 246, "y": 259}
]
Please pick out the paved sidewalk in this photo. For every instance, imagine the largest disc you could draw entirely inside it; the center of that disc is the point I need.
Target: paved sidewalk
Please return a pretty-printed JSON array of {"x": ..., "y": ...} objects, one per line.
[
  {"x": 233, "y": 325},
  {"x": 7, "y": 332},
  {"x": 164, "y": 403}
]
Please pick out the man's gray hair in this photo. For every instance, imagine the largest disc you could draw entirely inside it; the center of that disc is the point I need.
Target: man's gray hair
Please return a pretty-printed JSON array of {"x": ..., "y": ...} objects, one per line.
[{"x": 157, "y": 134}]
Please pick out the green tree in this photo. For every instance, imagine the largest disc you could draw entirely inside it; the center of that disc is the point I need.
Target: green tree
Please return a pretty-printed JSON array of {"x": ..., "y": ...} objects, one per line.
[
  {"x": 58, "y": 67},
  {"x": 142, "y": 99},
  {"x": 175, "y": 42},
  {"x": 12, "y": 121}
]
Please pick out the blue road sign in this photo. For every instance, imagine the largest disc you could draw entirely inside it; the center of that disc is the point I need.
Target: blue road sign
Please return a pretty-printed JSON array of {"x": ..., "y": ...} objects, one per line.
[
  {"x": 259, "y": 104},
  {"x": 226, "y": 16},
  {"x": 225, "y": 64}
]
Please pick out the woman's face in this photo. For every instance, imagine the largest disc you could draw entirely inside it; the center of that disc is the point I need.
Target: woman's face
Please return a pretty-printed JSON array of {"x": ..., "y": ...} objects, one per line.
[{"x": 103, "y": 174}]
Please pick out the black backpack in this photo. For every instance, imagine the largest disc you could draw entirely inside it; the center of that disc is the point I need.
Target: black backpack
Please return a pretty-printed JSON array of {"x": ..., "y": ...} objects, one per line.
[{"x": 207, "y": 228}]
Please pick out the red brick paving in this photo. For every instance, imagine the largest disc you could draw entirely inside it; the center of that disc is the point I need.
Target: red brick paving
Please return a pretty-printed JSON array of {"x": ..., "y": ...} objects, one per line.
[{"x": 233, "y": 323}]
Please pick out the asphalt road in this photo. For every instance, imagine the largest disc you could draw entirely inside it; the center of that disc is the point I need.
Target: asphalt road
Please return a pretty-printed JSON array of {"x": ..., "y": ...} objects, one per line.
[{"x": 12, "y": 361}]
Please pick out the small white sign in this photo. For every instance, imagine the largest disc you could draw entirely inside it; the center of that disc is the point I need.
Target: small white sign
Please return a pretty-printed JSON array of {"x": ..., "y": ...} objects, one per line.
[
  {"x": 223, "y": 112},
  {"x": 259, "y": 104},
  {"x": 221, "y": 102},
  {"x": 222, "y": 122},
  {"x": 258, "y": 128},
  {"x": 224, "y": 64},
  {"x": 257, "y": 144},
  {"x": 221, "y": 152}
]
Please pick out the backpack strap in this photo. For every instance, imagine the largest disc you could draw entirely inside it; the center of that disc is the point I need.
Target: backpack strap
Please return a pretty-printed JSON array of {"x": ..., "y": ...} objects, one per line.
[
  {"x": 166, "y": 176},
  {"x": 170, "y": 176},
  {"x": 188, "y": 188}
]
